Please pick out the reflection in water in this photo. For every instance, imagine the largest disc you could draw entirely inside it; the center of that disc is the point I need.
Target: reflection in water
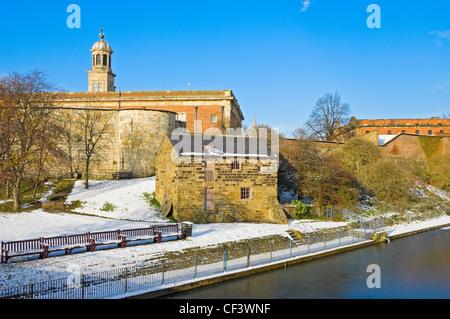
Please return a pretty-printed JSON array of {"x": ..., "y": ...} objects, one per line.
[{"x": 417, "y": 266}]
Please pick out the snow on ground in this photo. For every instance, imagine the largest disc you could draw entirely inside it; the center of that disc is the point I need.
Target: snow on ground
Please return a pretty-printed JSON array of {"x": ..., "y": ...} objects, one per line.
[
  {"x": 132, "y": 211},
  {"x": 383, "y": 139},
  {"x": 127, "y": 197}
]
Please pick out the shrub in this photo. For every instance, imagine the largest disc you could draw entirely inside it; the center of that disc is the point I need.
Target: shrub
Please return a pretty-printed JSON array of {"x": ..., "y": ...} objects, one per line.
[
  {"x": 108, "y": 207},
  {"x": 388, "y": 182},
  {"x": 301, "y": 209},
  {"x": 417, "y": 167},
  {"x": 440, "y": 172},
  {"x": 331, "y": 184},
  {"x": 358, "y": 152}
]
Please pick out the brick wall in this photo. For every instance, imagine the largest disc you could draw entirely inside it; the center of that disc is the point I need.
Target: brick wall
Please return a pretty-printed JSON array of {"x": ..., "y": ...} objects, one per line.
[{"x": 433, "y": 126}]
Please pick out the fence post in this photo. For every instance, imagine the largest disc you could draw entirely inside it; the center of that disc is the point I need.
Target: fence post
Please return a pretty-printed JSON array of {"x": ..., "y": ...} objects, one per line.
[
  {"x": 225, "y": 261},
  {"x": 248, "y": 257},
  {"x": 270, "y": 248},
  {"x": 339, "y": 238},
  {"x": 32, "y": 291},
  {"x": 82, "y": 286},
  {"x": 162, "y": 273},
  {"x": 126, "y": 280},
  {"x": 290, "y": 247},
  {"x": 195, "y": 267},
  {"x": 325, "y": 241},
  {"x": 308, "y": 246}
]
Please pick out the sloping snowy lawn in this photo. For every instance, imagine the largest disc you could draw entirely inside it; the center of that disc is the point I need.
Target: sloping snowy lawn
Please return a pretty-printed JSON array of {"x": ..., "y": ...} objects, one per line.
[{"x": 124, "y": 198}]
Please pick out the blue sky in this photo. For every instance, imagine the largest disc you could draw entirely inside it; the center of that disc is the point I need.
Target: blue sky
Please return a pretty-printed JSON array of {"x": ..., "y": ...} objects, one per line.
[{"x": 278, "y": 57}]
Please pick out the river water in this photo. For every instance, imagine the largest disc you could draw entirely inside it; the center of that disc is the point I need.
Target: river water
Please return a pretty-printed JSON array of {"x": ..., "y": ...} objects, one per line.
[{"x": 416, "y": 266}]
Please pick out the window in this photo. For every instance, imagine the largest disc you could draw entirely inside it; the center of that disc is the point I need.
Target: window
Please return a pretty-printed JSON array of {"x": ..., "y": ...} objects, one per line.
[
  {"x": 214, "y": 118},
  {"x": 181, "y": 117},
  {"x": 430, "y": 132},
  {"x": 245, "y": 192},
  {"x": 97, "y": 87},
  {"x": 105, "y": 59},
  {"x": 389, "y": 132},
  {"x": 235, "y": 165},
  {"x": 98, "y": 59},
  {"x": 417, "y": 132},
  {"x": 367, "y": 132},
  {"x": 403, "y": 131},
  {"x": 441, "y": 131}
]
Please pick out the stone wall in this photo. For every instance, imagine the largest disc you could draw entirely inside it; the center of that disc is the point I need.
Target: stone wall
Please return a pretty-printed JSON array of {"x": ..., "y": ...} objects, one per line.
[
  {"x": 140, "y": 134},
  {"x": 130, "y": 143},
  {"x": 407, "y": 146},
  {"x": 208, "y": 103}
]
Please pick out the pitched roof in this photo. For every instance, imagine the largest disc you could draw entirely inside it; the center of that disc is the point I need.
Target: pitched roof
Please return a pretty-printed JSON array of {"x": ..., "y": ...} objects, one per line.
[{"x": 202, "y": 145}]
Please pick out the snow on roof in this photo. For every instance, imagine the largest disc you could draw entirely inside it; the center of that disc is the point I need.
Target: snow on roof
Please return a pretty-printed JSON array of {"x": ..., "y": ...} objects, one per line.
[
  {"x": 383, "y": 139},
  {"x": 200, "y": 145}
]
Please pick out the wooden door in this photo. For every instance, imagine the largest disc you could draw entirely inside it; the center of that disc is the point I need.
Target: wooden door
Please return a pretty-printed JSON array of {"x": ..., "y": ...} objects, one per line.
[
  {"x": 210, "y": 198},
  {"x": 210, "y": 166}
]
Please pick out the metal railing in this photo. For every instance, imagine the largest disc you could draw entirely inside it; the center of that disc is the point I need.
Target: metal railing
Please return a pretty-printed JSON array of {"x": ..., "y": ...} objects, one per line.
[
  {"x": 221, "y": 207},
  {"x": 157, "y": 275}
]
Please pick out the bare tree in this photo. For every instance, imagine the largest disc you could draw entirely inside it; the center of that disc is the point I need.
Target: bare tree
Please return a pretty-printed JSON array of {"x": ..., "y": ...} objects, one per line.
[
  {"x": 94, "y": 126},
  {"x": 69, "y": 137},
  {"x": 25, "y": 101},
  {"x": 330, "y": 119}
]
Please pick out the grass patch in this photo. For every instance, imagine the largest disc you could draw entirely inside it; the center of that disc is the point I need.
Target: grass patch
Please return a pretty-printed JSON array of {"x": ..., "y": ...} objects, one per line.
[
  {"x": 108, "y": 207},
  {"x": 151, "y": 200}
]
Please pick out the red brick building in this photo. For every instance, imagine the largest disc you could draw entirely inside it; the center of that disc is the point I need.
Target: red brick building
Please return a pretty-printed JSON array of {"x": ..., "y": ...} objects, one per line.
[{"x": 434, "y": 126}]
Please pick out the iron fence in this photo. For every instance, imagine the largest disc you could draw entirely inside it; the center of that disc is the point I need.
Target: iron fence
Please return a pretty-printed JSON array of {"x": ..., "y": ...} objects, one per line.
[{"x": 157, "y": 275}]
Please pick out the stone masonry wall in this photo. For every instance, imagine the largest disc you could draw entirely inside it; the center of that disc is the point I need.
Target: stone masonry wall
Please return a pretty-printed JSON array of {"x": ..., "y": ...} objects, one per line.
[
  {"x": 130, "y": 143},
  {"x": 183, "y": 184},
  {"x": 404, "y": 146},
  {"x": 140, "y": 134}
]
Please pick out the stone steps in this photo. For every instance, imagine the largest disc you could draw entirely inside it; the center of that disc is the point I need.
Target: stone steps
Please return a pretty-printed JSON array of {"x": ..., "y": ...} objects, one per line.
[{"x": 297, "y": 241}]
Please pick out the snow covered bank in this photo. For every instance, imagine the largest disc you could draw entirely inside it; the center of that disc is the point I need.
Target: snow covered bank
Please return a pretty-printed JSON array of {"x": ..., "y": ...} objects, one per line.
[{"x": 125, "y": 199}]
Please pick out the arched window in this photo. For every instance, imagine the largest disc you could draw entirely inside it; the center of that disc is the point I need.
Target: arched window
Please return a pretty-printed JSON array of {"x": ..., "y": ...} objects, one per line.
[
  {"x": 93, "y": 60},
  {"x": 109, "y": 61},
  {"x": 105, "y": 59},
  {"x": 98, "y": 59}
]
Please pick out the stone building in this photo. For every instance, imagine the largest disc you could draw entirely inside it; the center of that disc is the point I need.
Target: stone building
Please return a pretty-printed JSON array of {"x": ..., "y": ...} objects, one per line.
[
  {"x": 202, "y": 178},
  {"x": 139, "y": 119},
  {"x": 130, "y": 143}
]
